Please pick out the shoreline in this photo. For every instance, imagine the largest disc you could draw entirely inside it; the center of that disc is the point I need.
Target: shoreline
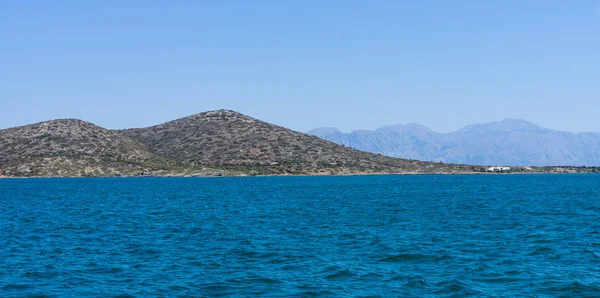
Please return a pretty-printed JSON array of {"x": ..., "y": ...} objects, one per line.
[{"x": 301, "y": 175}]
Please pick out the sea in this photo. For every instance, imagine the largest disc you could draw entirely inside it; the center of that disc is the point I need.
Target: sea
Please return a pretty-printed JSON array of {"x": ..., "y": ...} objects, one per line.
[{"x": 353, "y": 236}]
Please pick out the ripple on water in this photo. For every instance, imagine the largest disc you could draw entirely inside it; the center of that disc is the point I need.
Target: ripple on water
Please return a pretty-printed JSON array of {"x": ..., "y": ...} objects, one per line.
[
  {"x": 416, "y": 282},
  {"x": 16, "y": 287},
  {"x": 371, "y": 236},
  {"x": 404, "y": 257},
  {"x": 343, "y": 274},
  {"x": 573, "y": 289},
  {"x": 456, "y": 288}
]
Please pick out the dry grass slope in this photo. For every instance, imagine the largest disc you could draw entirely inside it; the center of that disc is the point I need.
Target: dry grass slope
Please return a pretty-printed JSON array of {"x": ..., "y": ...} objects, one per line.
[
  {"x": 213, "y": 143},
  {"x": 69, "y": 147},
  {"x": 230, "y": 140}
]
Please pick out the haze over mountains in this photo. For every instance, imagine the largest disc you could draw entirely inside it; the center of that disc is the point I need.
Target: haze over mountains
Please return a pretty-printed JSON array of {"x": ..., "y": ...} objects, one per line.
[{"x": 508, "y": 142}]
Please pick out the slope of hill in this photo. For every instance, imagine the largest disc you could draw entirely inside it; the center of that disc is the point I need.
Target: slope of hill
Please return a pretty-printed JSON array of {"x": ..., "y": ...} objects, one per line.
[
  {"x": 216, "y": 143},
  {"x": 508, "y": 142},
  {"x": 70, "y": 147},
  {"x": 232, "y": 141}
]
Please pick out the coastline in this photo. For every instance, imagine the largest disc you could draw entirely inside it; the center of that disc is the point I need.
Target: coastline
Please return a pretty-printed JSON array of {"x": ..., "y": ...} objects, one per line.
[{"x": 303, "y": 175}]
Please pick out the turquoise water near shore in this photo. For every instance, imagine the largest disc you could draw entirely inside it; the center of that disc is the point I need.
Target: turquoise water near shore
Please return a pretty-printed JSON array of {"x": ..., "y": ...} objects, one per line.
[{"x": 364, "y": 236}]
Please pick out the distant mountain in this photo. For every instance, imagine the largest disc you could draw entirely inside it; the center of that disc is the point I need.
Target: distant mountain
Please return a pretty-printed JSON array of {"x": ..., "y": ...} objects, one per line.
[
  {"x": 508, "y": 142},
  {"x": 211, "y": 143}
]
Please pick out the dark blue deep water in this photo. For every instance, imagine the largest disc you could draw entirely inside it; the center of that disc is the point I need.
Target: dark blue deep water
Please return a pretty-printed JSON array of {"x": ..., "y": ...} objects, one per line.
[{"x": 377, "y": 236}]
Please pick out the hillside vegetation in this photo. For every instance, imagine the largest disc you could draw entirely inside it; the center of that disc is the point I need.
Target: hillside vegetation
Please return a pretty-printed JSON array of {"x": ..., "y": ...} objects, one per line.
[
  {"x": 70, "y": 147},
  {"x": 230, "y": 140},
  {"x": 216, "y": 143}
]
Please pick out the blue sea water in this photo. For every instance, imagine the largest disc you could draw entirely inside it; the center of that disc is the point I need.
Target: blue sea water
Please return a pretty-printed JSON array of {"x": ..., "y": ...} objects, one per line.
[{"x": 369, "y": 236}]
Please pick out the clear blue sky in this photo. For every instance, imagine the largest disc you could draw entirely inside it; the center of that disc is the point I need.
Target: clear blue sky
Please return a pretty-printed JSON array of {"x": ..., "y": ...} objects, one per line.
[{"x": 302, "y": 64}]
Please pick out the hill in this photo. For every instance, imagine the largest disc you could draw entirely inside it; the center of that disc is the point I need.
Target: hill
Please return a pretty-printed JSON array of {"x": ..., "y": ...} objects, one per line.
[
  {"x": 70, "y": 147},
  {"x": 235, "y": 142},
  {"x": 216, "y": 143},
  {"x": 511, "y": 142}
]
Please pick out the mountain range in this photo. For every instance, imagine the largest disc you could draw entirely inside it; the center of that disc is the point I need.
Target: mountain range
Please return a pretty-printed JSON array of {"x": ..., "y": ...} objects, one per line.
[
  {"x": 510, "y": 142},
  {"x": 214, "y": 143}
]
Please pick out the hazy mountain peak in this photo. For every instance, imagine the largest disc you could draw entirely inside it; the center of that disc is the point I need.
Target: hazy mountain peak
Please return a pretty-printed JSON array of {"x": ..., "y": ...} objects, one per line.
[
  {"x": 412, "y": 127},
  {"x": 506, "y": 142},
  {"x": 507, "y": 125},
  {"x": 518, "y": 123},
  {"x": 324, "y": 131}
]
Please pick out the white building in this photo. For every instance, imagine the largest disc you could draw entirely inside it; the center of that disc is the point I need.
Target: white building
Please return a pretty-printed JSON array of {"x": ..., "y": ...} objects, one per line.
[{"x": 498, "y": 169}]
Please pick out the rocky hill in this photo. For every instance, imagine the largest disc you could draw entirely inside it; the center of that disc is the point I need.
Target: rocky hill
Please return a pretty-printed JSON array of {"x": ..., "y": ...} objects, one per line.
[
  {"x": 510, "y": 142},
  {"x": 70, "y": 147},
  {"x": 235, "y": 142},
  {"x": 217, "y": 143}
]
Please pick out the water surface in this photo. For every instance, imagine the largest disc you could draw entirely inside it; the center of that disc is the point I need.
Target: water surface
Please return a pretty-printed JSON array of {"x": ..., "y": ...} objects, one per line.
[{"x": 370, "y": 236}]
